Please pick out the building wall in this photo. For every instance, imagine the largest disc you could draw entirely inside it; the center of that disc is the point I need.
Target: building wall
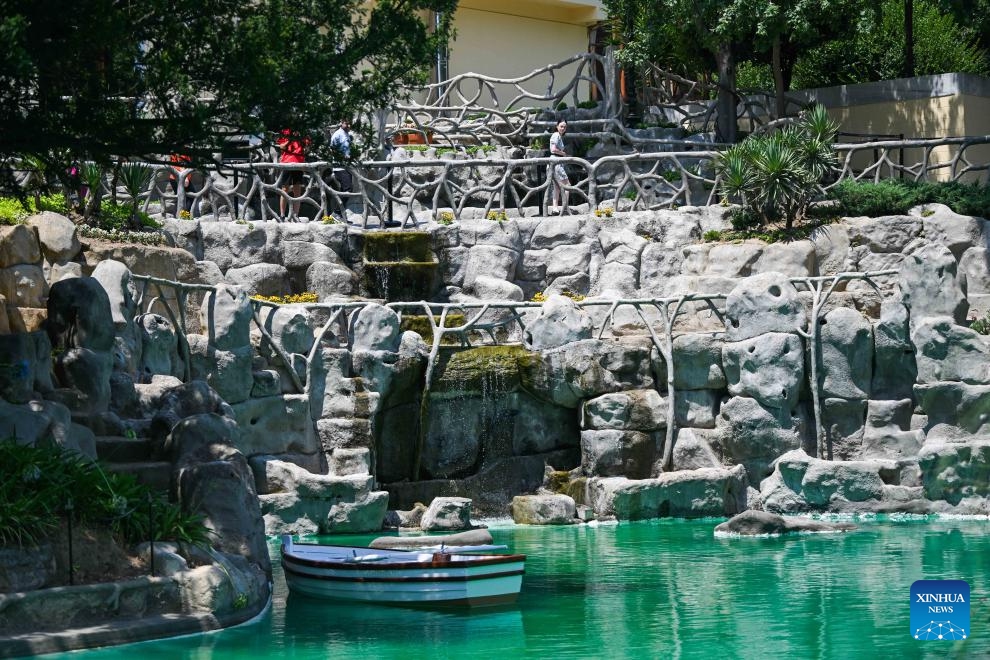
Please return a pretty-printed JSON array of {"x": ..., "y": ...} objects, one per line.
[
  {"x": 511, "y": 39},
  {"x": 944, "y": 105}
]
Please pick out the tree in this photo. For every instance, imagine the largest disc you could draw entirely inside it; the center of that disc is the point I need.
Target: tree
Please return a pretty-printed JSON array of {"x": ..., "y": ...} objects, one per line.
[{"x": 100, "y": 79}]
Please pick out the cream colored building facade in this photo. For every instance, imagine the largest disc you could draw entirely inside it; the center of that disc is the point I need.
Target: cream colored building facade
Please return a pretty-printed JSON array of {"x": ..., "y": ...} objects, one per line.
[{"x": 510, "y": 38}]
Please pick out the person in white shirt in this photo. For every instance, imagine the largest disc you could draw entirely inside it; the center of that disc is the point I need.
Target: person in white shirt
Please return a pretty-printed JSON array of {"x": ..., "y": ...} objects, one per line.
[
  {"x": 340, "y": 143},
  {"x": 558, "y": 177}
]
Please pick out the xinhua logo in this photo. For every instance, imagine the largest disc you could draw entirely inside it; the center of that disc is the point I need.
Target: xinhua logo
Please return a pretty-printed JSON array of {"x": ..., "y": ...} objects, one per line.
[{"x": 940, "y": 610}]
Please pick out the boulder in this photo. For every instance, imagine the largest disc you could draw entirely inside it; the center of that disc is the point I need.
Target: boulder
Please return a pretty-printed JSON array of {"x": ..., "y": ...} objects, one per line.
[
  {"x": 447, "y": 514},
  {"x": 212, "y": 478},
  {"x": 330, "y": 280},
  {"x": 568, "y": 260},
  {"x": 19, "y": 245},
  {"x": 685, "y": 494},
  {"x": 697, "y": 360},
  {"x": 159, "y": 347},
  {"x": 122, "y": 290},
  {"x": 894, "y": 366},
  {"x": 226, "y": 371},
  {"x": 957, "y": 472},
  {"x": 696, "y": 408},
  {"x": 275, "y": 425},
  {"x": 24, "y": 285},
  {"x": 764, "y": 523},
  {"x": 290, "y": 327},
  {"x": 931, "y": 286},
  {"x": 490, "y": 261},
  {"x": 748, "y": 433},
  {"x": 57, "y": 235},
  {"x": 955, "y": 404},
  {"x": 763, "y": 303},
  {"x": 768, "y": 368},
  {"x": 560, "y": 322},
  {"x": 634, "y": 410},
  {"x": 847, "y": 354},
  {"x": 543, "y": 510},
  {"x": 360, "y": 517},
  {"x": 374, "y": 328},
  {"x": 692, "y": 452},
  {"x": 226, "y": 317},
  {"x": 489, "y": 289},
  {"x": 946, "y": 351},
  {"x": 260, "y": 279},
  {"x": 617, "y": 453}
]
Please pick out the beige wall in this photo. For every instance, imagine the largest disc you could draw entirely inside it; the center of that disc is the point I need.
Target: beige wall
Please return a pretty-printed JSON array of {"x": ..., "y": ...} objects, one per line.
[
  {"x": 945, "y": 105},
  {"x": 511, "y": 39}
]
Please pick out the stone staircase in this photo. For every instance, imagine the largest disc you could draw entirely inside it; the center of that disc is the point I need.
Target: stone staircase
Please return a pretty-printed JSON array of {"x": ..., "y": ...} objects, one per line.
[{"x": 134, "y": 456}]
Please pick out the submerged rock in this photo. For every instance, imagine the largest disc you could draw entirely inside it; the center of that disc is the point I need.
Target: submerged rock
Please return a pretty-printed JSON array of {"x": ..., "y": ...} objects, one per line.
[{"x": 762, "y": 523}]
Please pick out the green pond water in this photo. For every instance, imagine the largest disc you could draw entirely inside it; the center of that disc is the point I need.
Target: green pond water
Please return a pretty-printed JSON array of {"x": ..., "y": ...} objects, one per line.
[{"x": 660, "y": 589}]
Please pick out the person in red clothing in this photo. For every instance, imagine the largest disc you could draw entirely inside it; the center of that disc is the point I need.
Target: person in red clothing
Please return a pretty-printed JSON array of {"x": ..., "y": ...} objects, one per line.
[{"x": 292, "y": 148}]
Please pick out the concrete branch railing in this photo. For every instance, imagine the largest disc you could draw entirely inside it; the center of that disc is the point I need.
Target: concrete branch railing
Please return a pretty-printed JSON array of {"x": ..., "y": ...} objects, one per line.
[{"x": 505, "y": 323}]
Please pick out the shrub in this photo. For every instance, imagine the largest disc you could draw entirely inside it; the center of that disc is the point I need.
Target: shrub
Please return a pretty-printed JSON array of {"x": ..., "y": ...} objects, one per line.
[
  {"x": 777, "y": 175},
  {"x": 12, "y": 211},
  {"x": 981, "y": 326},
  {"x": 497, "y": 216},
  {"x": 711, "y": 235},
  {"x": 445, "y": 218},
  {"x": 892, "y": 197},
  {"x": 36, "y": 484},
  {"x": 295, "y": 298},
  {"x": 604, "y": 212}
]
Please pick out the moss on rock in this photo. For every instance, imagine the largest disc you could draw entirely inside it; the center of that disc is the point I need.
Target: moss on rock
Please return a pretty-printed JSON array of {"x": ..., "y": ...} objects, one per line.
[{"x": 485, "y": 369}]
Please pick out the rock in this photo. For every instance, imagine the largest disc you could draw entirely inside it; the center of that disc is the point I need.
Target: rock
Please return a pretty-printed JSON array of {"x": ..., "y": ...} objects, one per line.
[
  {"x": 360, "y": 517},
  {"x": 19, "y": 245},
  {"x": 226, "y": 317},
  {"x": 344, "y": 462},
  {"x": 543, "y": 510},
  {"x": 568, "y": 260},
  {"x": 955, "y": 404},
  {"x": 617, "y": 453},
  {"x": 490, "y": 288},
  {"x": 843, "y": 421},
  {"x": 447, "y": 514},
  {"x": 763, "y": 523},
  {"x": 975, "y": 264},
  {"x": 24, "y": 285},
  {"x": 260, "y": 279},
  {"x": 289, "y": 326},
  {"x": 22, "y": 570},
  {"x": 697, "y": 360},
  {"x": 586, "y": 369},
  {"x": 490, "y": 261},
  {"x": 955, "y": 472},
  {"x": 945, "y": 227},
  {"x": 692, "y": 453},
  {"x": 946, "y": 351},
  {"x": 887, "y": 234},
  {"x": 684, "y": 494},
  {"x": 175, "y": 403},
  {"x": 888, "y": 432},
  {"x": 793, "y": 259},
  {"x": 57, "y": 235},
  {"x": 560, "y": 322},
  {"x": 486, "y": 232},
  {"x": 159, "y": 347},
  {"x": 802, "y": 483},
  {"x": 847, "y": 354},
  {"x": 275, "y": 425},
  {"x": 330, "y": 280},
  {"x": 636, "y": 410},
  {"x": 895, "y": 369},
  {"x": 408, "y": 519},
  {"x": 761, "y": 304},
  {"x": 754, "y": 436},
  {"x": 931, "y": 286},
  {"x": 768, "y": 368},
  {"x": 226, "y": 371},
  {"x": 696, "y": 408},
  {"x": 533, "y": 265},
  {"x": 62, "y": 270},
  {"x": 551, "y": 233},
  {"x": 471, "y": 537},
  {"x": 375, "y": 328},
  {"x": 302, "y": 254},
  {"x": 88, "y": 373},
  {"x": 214, "y": 479}
]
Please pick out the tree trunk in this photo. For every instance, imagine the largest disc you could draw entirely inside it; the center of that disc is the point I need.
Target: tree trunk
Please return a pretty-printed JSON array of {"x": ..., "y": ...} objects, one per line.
[
  {"x": 778, "y": 78},
  {"x": 726, "y": 104},
  {"x": 908, "y": 38}
]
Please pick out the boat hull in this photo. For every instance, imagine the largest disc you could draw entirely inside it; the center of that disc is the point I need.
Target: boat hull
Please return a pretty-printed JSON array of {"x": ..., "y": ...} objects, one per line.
[{"x": 424, "y": 580}]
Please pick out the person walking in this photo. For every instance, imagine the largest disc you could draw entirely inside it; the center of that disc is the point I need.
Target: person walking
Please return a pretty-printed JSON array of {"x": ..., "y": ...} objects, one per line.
[
  {"x": 558, "y": 176},
  {"x": 340, "y": 143},
  {"x": 292, "y": 148}
]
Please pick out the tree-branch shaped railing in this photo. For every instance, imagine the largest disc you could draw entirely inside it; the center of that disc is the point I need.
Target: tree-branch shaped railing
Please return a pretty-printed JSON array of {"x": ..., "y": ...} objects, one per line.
[{"x": 821, "y": 289}]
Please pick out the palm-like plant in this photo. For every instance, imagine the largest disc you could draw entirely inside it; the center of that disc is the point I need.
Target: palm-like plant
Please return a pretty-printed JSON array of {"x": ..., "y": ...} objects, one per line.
[
  {"x": 135, "y": 178},
  {"x": 92, "y": 176},
  {"x": 777, "y": 175}
]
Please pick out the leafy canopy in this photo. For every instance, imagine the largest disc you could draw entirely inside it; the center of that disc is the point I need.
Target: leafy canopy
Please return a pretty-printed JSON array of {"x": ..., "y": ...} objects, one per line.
[{"x": 97, "y": 79}]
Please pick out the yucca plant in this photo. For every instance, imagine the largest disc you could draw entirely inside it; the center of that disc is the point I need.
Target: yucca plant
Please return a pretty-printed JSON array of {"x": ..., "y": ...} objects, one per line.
[
  {"x": 775, "y": 176},
  {"x": 92, "y": 176},
  {"x": 135, "y": 178}
]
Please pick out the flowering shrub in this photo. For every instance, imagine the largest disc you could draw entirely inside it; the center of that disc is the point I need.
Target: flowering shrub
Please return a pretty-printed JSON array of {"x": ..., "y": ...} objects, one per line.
[
  {"x": 295, "y": 298},
  {"x": 497, "y": 216},
  {"x": 606, "y": 212},
  {"x": 445, "y": 218}
]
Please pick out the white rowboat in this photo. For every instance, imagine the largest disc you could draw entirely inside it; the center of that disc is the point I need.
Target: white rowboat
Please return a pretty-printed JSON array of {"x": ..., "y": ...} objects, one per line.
[{"x": 447, "y": 576}]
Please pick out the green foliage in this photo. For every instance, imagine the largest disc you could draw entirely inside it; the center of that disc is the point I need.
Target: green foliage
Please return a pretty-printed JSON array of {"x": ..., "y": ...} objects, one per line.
[
  {"x": 711, "y": 236},
  {"x": 873, "y": 49},
  {"x": 38, "y": 485},
  {"x": 982, "y": 325},
  {"x": 588, "y": 105},
  {"x": 99, "y": 79},
  {"x": 893, "y": 197},
  {"x": 775, "y": 176},
  {"x": 12, "y": 211}
]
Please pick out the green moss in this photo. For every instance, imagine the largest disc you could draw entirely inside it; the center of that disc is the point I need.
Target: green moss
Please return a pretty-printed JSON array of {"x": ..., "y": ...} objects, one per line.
[
  {"x": 400, "y": 280},
  {"x": 485, "y": 369},
  {"x": 391, "y": 246},
  {"x": 419, "y": 324}
]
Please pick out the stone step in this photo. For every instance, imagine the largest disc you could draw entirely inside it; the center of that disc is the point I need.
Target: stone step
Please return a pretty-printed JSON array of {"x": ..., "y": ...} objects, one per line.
[
  {"x": 155, "y": 474},
  {"x": 118, "y": 449}
]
